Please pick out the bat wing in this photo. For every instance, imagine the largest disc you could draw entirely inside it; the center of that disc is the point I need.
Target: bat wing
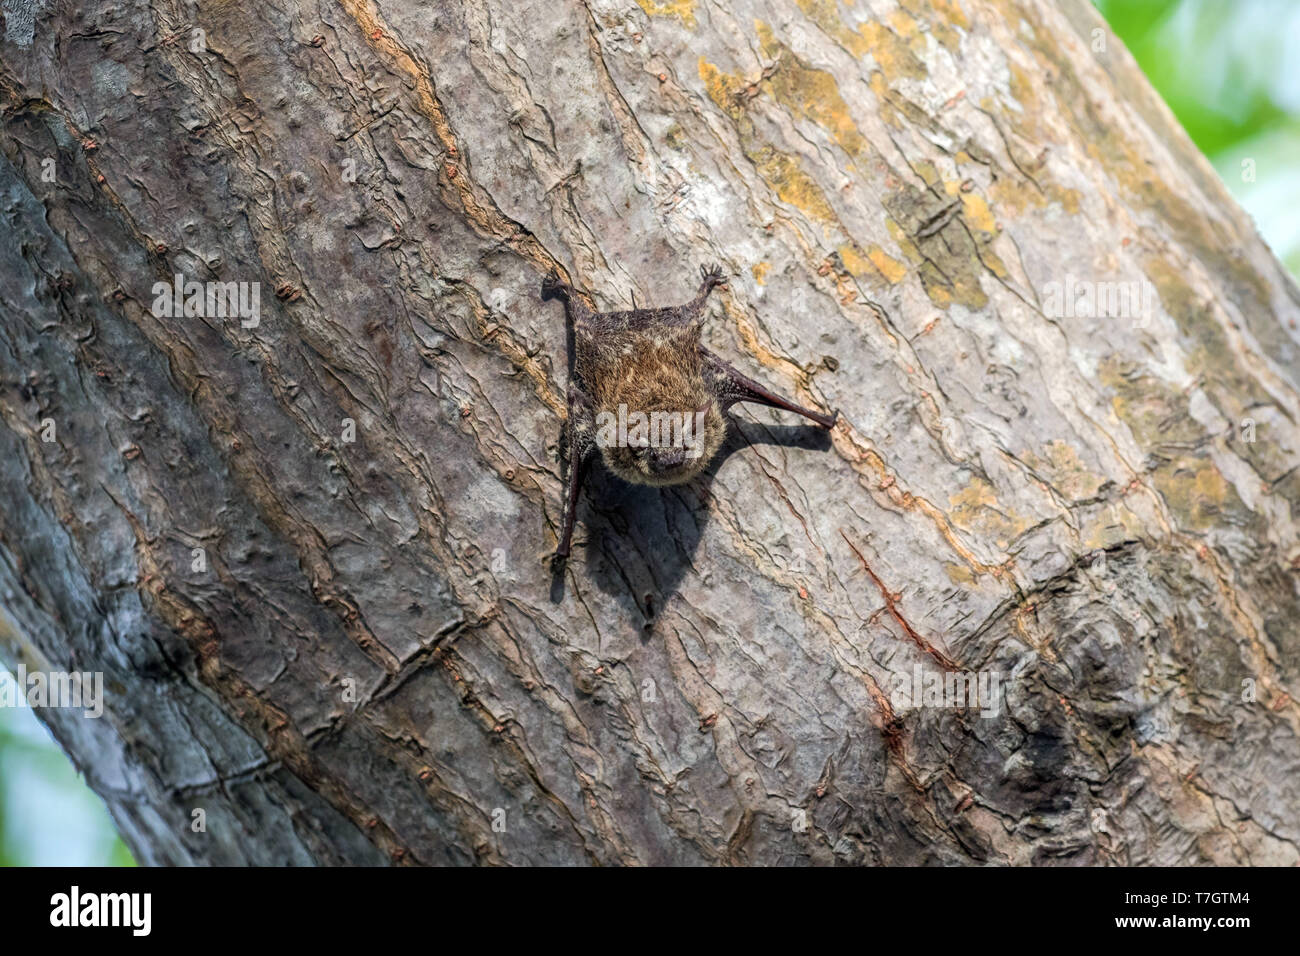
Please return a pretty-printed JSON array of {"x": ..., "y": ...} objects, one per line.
[
  {"x": 731, "y": 387},
  {"x": 580, "y": 427}
]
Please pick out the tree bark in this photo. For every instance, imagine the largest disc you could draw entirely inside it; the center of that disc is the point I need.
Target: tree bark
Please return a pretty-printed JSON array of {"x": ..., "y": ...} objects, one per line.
[{"x": 342, "y": 641}]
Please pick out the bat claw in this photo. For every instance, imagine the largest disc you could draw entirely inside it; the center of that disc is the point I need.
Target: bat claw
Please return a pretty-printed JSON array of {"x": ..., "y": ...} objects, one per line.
[
  {"x": 552, "y": 286},
  {"x": 711, "y": 275}
]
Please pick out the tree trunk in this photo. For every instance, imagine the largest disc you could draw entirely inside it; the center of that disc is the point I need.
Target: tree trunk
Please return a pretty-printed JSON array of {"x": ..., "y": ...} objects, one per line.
[{"x": 307, "y": 553}]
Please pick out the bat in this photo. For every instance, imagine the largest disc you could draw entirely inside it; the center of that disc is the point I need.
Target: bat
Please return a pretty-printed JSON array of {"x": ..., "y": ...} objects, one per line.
[{"x": 646, "y": 395}]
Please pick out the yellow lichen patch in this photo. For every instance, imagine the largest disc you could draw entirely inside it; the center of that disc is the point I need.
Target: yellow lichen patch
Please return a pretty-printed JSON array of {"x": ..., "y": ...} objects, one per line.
[
  {"x": 908, "y": 33},
  {"x": 949, "y": 240},
  {"x": 993, "y": 262},
  {"x": 962, "y": 287},
  {"x": 946, "y": 35},
  {"x": 1233, "y": 384},
  {"x": 1175, "y": 295},
  {"x": 892, "y": 53},
  {"x": 942, "y": 27},
  {"x": 950, "y": 11},
  {"x": 723, "y": 88},
  {"x": 949, "y": 268},
  {"x": 1196, "y": 492},
  {"x": 1025, "y": 93},
  {"x": 902, "y": 23},
  {"x": 1014, "y": 195},
  {"x": 809, "y": 93},
  {"x": 904, "y": 241},
  {"x": 1224, "y": 373},
  {"x": 1154, "y": 411},
  {"x": 977, "y": 213},
  {"x": 928, "y": 172},
  {"x": 1111, "y": 525},
  {"x": 1061, "y": 466},
  {"x": 889, "y": 267},
  {"x": 782, "y": 172},
  {"x": 975, "y": 509},
  {"x": 1068, "y": 198},
  {"x": 935, "y": 287},
  {"x": 1158, "y": 416},
  {"x": 791, "y": 183},
  {"x": 683, "y": 10},
  {"x": 890, "y": 113},
  {"x": 875, "y": 263},
  {"x": 825, "y": 14},
  {"x": 760, "y": 271},
  {"x": 959, "y": 574},
  {"x": 853, "y": 259}
]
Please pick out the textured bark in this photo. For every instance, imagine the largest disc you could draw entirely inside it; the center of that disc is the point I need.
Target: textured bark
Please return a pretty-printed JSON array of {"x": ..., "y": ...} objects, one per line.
[{"x": 1074, "y": 502}]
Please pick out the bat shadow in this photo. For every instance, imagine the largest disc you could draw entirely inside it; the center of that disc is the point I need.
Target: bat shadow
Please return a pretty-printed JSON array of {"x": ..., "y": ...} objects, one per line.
[{"x": 639, "y": 542}]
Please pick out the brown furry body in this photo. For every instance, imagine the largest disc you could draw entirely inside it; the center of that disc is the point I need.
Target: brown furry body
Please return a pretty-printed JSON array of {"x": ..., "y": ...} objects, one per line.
[{"x": 649, "y": 361}]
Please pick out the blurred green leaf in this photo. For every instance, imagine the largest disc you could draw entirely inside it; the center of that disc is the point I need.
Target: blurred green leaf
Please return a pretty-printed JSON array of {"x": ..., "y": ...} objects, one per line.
[{"x": 1227, "y": 69}]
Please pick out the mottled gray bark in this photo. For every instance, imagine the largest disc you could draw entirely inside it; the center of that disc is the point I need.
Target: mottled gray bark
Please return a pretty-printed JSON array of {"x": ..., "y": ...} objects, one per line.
[{"x": 371, "y": 661}]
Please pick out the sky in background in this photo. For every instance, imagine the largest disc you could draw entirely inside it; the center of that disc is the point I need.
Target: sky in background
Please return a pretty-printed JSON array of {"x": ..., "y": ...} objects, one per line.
[{"x": 1229, "y": 69}]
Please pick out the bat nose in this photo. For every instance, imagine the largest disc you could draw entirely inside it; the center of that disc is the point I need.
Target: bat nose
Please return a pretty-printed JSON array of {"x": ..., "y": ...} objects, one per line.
[{"x": 666, "y": 459}]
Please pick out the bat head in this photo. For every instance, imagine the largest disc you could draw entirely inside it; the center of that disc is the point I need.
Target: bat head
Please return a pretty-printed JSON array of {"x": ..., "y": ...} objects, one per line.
[
  {"x": 666, "y": 446},
  {"x": 659, "y": 422}
]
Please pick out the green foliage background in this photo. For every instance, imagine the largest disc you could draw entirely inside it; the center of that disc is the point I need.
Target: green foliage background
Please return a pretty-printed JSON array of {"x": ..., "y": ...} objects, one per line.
[
  {"x": 48, "y": 816},
  {"x": 1229, "y": 69}
]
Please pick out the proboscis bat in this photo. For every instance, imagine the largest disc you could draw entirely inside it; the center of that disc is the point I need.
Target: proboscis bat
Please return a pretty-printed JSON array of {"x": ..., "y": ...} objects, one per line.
[{"x": 634, "y": 369}]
